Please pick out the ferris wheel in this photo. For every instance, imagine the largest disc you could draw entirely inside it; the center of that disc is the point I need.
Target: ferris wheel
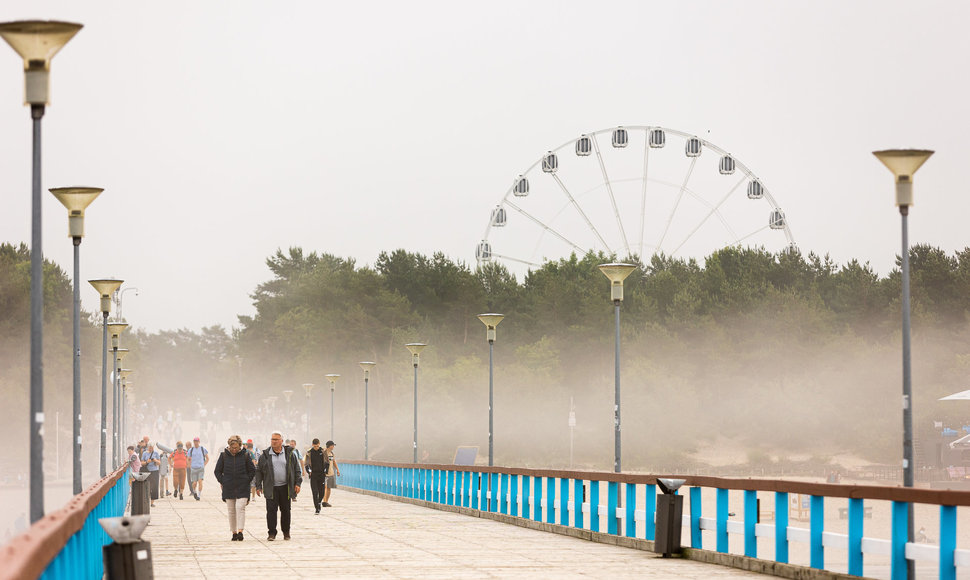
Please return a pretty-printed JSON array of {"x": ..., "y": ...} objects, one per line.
[{"x": 632, "y": 191}]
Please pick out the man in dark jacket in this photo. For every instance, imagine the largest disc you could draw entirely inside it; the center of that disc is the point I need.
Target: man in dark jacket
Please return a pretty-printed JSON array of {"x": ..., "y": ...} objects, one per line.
[
  {"x": 278, "y": 477},
  {"x": 316, "y": 468}
]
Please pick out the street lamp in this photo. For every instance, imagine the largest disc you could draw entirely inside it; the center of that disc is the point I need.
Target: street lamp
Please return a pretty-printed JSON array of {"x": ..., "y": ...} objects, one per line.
[
  {"x": 366, "y": 366},
  {"x": 37, "y": 41},
  {"x": 333, "y": 385},
  {"x": 124, "y": 386},
  {"x": 617, "y": 273},
  {"x": 307, "y": 387},
  {"x": 490, "y": 321},
  {"x": 904, "y": 163},
  {"x": 119, "y": 295},
  {"x": 415, "y": 348},
  {"x": 115, "y": 329},
  {"x": 105, "y": 287},
  {"x": 76, "y": 199},
  {"x": 128, "y": 389},
  {"x": 287, "y": 394},
  {"x": 116, "y": 412}
]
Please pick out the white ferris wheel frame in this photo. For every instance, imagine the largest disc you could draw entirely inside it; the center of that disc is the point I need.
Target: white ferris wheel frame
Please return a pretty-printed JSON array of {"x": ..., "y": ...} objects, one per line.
[{"x": 683, "y": 189}]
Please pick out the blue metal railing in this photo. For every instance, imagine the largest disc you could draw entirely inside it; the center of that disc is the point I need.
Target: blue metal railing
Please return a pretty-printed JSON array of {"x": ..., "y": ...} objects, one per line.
[
  {"x": 521, "y": 493},
  {"x": 81, "y": 556}
]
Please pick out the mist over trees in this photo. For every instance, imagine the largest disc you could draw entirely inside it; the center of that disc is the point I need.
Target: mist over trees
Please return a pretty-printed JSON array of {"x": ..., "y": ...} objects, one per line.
[{"x": 782, "y": 353}]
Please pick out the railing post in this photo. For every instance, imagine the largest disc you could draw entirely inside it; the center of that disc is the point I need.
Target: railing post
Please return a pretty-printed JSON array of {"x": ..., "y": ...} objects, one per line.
[
  {"x": 722, "y": 518},
  {"x": 750, "y": 520},
  {"x": 594, "y": 506},
  {"x": 537, "y": 504},
  {"x": 649, "y": 511},
  {"x": 526, "y": 496},
  {"x": 816, "y": 527},
  {"x": 550, "y": 500},
  {"x": 563, "y": 501},
  {"x": 493, "y": 490},
  {"x": 696, "y": 541},
  {"x": 475, "y": 488},
  {"x": 503, "y": 505},
  {"x": 948, "y": 542},
  {"x": 856, "y": 515},
  {"x": 514, "y": 495},
  {"x": 579, "y": 496},
  {"x": 630, "y": 521},
  {"x": 781, "y": 527},
  {"x": 612, "y": 495},
  {"x": 899, "y": 534}
]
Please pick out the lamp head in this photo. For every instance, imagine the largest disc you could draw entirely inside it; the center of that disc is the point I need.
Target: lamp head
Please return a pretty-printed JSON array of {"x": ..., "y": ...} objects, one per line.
[
  {"x": 125, "y": 373},
  {"x": 308, "y": 387},
  {"x": 106, "y": 287},
  {"x": 617, "y": 273},
  {"x": 415, "y": 348},
  {"x": 490, "y": 321},
  {"x": 76, "y": 199},
  {"x": 37, "y": 41},
  {"x": 122, "y": 353},
  {"x": 366, "y": 366},
  {"x": 287, "y": 393},
  {"x": 333, "y": 380},
  {"x": 115, "y": 329},
  {"x": 903, "y": 163}
]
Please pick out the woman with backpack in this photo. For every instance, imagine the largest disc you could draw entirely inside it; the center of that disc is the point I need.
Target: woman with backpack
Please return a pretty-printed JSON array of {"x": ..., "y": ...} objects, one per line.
[{"x": 234, "y": 471}]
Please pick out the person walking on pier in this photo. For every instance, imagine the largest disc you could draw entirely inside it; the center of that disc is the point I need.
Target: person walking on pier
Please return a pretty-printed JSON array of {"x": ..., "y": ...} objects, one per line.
[
  {"x": 332, "y": 472},
  {"x": 278, "y": 477},
  {"x": 134, "y": 462},
  {"x": 199, "y": 458},
  {"x": 234, "y": 471},
  {"x": 152, "y": 459},
  {"x": 316, "y": 468},
  {"x": 179, "y": 463}
]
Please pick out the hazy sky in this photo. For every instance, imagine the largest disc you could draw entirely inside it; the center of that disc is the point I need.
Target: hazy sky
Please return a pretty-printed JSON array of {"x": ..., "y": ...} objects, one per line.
[{"x": 223, "y": 131}]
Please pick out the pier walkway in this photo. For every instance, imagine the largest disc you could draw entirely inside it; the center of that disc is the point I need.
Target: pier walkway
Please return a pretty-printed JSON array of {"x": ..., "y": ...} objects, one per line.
[{"x": 364, "y": 536}]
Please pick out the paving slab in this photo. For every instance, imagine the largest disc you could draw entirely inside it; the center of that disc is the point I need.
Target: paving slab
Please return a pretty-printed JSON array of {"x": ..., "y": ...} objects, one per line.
[{"x": 363, "y": 536}]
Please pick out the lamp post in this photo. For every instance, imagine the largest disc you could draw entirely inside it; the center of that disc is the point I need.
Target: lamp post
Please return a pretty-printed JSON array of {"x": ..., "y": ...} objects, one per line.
[
  {"x": 105, "y": 287},
  {"x": 124, "y": 386},
  {"x": 119, "y": 295},
  {"x": 115, "y": 329},
  {"x": 617, "y": 273},
  {"x": 307, "y": 387},
  {"x": 415, "y": 348},
  {"x": 287, "y": 394},
  {"x": 333, "y": 385},
  {"x": 127, "y": 390},
  {"x": 37, "y": 42},
  {"x": 904, "y": 163},
  {"x": 366, "y": 366},
  {"x": 490, "y": 321},
  {"x": 76, "y": 200},
  {"x": 116, "y": 412}
]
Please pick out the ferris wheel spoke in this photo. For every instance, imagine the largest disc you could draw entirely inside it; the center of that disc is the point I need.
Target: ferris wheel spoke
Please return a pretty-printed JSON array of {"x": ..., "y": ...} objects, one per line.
[
  {"x": 582, "y": 213},
  {"x": 746, "y": 236},
  {"x": 680, "y": 196},
  {"x": 519, "y": 260},
  {"x": 609, "y": 189},
  {"x": 714, "y": 210},
  {"x": 643, "y": 190},
  {"x": 545, "y": 227}
]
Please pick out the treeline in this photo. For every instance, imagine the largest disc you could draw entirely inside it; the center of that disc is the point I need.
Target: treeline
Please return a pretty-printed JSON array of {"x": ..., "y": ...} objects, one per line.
[{"x": 777, "y": 353}]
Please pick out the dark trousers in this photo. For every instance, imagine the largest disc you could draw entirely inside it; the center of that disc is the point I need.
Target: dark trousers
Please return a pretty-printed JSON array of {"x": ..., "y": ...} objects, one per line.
[
  {"x": 317, "y": 484},
  {"x": 280, "y": 501},
  {"x": 153, "y": 484}
]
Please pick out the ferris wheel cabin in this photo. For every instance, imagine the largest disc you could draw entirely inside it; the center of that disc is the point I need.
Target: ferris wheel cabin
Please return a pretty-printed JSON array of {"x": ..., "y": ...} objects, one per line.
[
  {"x": 521, "y": 187},
  {"x": 693, "y": 147},
  {"x": 584, "y": 146},
  {"x": 484, "y": 251},
  {"x": 755, "y": 190},
  {"x": 776, "y": 220},
  {"x": 498, "y": 216},
  {"x": 550, "y": 163},
  {"x": 620, "y": 138},
  {"x": 657, "y": 138},
  {"x": 726, "y": 166}
]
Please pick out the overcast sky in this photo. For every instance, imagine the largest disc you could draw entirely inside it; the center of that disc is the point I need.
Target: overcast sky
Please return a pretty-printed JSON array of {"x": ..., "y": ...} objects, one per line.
[{"x": 223, "y": 131}]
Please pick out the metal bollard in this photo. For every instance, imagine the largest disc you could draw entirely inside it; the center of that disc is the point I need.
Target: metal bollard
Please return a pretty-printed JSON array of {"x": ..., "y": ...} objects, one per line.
[
  {"x": 128, "y": 557},
  {"x": 140, "y": 494},
  {"x": 670, "y": 513}
]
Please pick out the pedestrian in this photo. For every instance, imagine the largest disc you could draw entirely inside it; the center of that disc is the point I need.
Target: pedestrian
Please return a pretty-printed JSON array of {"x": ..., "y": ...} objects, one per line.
[
  {"x": 178, "y": 460},
  {"x": 152, "y": 459},
  {"x": 316, "y": 468},
  {"x": 252, "y": 457},
  {"x": 134, "y": 462},
  {"x": 332, "y": 472},
  {"x": 299, "y": 456},
  {"x": 163, "y": 491},
  {"x": 278, "y": 476},
  {"x": 198, "y": 459},
  {"x": 142, "y": 445},
  {"x": 235, "y": 471}
]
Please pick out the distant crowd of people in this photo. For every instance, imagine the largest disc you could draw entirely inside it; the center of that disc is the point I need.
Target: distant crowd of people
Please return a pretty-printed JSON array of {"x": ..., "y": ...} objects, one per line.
[{"x": 274, "y": 473}]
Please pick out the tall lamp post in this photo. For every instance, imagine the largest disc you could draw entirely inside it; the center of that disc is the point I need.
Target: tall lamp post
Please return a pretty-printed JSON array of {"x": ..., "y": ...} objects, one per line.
[
  {"x": 617, "y": 273},
  {"x": 116, "y": 411},
  {"x": 76, "y": 200},
  {"x": 105, "y": 288},
  {"x": 287, "y": 394},
  {"x": 366, "y": 366},
  {"x": 307, "y": 387},
  {"x": 415, "y": 348},
  {"x": 37, "y": 41},
  {"x": 490, "y": 321},
  {"x": 904, "y": 163},
  {"x": 115, "y": 329},
  {"x": 125, "y": 387},
  {"x": 333, "y": 385},
  {"x": 127, "y": 390}
]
